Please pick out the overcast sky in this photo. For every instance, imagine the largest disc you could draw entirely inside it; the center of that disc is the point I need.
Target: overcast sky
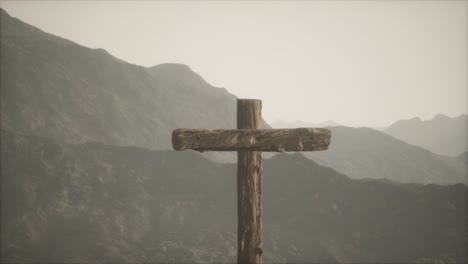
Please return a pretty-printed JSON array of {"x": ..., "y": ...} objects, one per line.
[{"x": 359, "y": 63}]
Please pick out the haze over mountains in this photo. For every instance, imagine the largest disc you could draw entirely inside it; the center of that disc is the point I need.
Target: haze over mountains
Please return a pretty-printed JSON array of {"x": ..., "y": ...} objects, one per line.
[
  {"x": 99, "y": 203},
  {"x": 76, "y": 94},
  {"x": 367, "y": 153},
  {"x": 409, "y": 154},
  {"x": 298, "y": 123},
  {"x": 115, "y": 200},
  {"x": 441, "y": 135}
]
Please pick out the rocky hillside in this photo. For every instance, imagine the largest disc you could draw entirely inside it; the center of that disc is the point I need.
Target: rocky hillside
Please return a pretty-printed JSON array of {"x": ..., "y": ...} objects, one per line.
[
  {"x": 56, "y": 88},
  {"x": 442, "y": 135},
  {"x": 93, "y": 203}
]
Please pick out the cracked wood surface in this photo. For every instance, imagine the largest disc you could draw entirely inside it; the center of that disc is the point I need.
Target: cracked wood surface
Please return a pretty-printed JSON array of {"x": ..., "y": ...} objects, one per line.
[
  {"x": 249, "y": 188},
  {"x": 297, "y": 139}
]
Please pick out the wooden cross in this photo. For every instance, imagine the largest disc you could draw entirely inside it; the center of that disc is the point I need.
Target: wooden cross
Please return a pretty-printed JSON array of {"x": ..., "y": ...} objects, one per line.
[{"x": 249, "y": 140}]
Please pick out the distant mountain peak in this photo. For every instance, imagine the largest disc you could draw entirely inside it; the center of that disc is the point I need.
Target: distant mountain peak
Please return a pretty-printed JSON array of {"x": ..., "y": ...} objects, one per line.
[
  {"x": 57, "y": 88},
  {"x": 3, "y": 12},
  {"x": 177, "y": 71},
  {"x": 173, "y": 66},
  {"x": 442, "y": 134},
  {"x": 299, "y": 123},
  {"x": 416, "y": 119},
  {"x": 438, "y": 117},
  {"x": 441, "y": 117}
]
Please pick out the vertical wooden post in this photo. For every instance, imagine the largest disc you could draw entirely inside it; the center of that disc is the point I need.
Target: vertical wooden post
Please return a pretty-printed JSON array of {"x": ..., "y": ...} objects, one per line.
[{"x": 249, "y": 188}]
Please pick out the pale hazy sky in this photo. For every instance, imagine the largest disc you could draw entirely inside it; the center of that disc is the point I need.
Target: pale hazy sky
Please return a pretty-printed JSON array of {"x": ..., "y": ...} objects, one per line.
[{"x": 355, "y": 62}]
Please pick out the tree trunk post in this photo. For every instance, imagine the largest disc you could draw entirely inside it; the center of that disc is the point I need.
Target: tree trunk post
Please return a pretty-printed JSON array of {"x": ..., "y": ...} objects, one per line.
[{"x": 249, "y": 188}]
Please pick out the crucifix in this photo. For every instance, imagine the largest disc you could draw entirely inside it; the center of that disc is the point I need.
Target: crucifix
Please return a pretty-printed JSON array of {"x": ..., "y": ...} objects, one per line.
[{"x": 249, "y": 140}]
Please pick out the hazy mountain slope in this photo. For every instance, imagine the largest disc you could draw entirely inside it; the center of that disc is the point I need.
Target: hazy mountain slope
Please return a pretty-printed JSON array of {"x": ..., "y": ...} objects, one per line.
[
  {"x": 56, "y": 88},
  {"x": 441, "y": 135},
  {"x": 88, "y": 203},
  {"x": 53, "y": 87},
  {"x": 367, "y": 153},
  {"x": 378, "y": 221},
  {"x": 463, "y": 157},
  {"x": 298, "y": 123},
  {"x": 98, "y": 203}
]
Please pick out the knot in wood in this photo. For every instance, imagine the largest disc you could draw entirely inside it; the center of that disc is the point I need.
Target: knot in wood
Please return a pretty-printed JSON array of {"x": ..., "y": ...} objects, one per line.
[
  {"x": 280, "y": 148},
  {"x": 259, "y": 250},
  {"x": 258, "y": 168},
  {"x": 300, "y": 147}
]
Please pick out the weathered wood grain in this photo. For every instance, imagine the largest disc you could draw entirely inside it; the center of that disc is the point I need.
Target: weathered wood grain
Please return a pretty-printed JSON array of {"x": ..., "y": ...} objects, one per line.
[
  {"x": 249, "y": 188},
  {"x": 297, "y": 139}
]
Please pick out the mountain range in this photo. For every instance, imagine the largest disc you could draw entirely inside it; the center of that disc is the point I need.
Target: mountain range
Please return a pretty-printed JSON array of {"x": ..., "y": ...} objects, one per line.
[
  {"x": 298, "y": 123},
  {"x": 441, "y": 135},
  {"x": 87, "y": 175},
  {"x": 93, "y": 202},
  {"x": 75, "y": 94},
  {"x": 393, "y": 154},
  {"x": 56, "y": 88},
  {"x": 367, "y": 153}
]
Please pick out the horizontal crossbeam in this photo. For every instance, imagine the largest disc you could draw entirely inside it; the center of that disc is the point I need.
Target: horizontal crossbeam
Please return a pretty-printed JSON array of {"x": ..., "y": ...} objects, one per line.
[{"x": 297, "y": 139}]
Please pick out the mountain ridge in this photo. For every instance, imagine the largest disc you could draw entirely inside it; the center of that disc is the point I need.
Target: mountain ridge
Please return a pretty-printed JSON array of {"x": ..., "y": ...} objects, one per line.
[
  {"x": 101, "y": 203},
  {"x": 77, "y": 94},
  {"x": 368, "y": 153},
  {"x": 442, "y": 134},
  {"x": 299, "y": 123}
]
